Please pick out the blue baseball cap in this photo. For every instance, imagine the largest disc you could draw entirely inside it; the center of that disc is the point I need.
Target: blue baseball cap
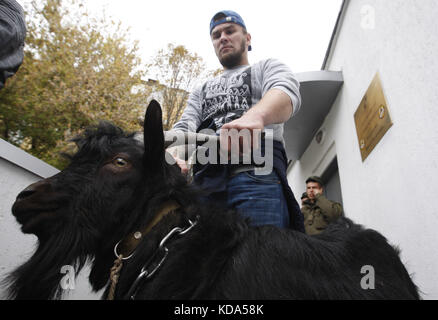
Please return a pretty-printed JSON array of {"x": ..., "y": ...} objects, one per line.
[{"x": 229, "y": 16}]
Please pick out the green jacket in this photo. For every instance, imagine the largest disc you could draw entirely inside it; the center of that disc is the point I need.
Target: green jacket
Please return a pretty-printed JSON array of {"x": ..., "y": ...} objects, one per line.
[{"x": 318, "y": 215}]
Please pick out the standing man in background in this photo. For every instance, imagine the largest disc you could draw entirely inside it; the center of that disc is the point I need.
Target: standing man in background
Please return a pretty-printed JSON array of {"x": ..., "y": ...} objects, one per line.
[{"x": 318, "y": 211}]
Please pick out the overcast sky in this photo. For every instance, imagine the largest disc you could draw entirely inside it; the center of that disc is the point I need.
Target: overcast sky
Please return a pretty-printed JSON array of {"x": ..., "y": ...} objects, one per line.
[{"x": 296, "y": 32}]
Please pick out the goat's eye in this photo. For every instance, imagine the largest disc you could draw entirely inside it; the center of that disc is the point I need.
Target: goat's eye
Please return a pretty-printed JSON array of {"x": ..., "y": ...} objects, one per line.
[{"x": 120, "y": 162}]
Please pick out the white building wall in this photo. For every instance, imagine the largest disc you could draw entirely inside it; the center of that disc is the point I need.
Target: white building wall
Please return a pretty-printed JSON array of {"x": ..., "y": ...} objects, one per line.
[
  {"x": 393, "y": 190},
  {"x": 16, "y": 247}
]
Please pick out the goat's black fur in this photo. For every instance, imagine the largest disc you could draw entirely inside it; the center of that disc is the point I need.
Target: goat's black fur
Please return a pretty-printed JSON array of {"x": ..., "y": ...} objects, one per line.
[{"x": 82, "y": 212}]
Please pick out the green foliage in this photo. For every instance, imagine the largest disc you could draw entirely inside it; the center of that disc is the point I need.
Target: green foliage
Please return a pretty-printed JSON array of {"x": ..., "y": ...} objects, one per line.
[{"x": 73, "y": 74}]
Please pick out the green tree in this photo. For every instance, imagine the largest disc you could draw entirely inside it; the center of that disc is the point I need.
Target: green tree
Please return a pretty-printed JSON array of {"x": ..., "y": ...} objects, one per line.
[{"x": 74, "y": 73}]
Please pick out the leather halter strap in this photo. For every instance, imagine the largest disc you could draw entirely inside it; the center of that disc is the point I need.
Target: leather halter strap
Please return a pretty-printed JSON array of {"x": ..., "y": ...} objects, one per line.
[{"x": 129, "y": 244}]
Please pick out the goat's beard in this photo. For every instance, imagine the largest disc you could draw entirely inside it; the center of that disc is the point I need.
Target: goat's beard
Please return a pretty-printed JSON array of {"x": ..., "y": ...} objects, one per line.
[
  {"x": 40, "y": 277},
  {"x": 233, "y": 60}
]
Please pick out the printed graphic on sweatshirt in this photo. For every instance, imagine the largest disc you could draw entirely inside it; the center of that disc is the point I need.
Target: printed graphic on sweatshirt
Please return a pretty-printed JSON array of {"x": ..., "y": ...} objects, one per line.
[{"x": 226, "y": 98}]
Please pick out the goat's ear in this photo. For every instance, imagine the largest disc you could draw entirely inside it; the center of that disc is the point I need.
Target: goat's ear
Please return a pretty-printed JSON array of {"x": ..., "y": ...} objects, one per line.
[{"x": 153, "y": 138}]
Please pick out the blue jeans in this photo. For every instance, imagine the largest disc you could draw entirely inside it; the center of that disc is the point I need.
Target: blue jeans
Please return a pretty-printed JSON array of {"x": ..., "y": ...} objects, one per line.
[{"x": 258, "y": 197}]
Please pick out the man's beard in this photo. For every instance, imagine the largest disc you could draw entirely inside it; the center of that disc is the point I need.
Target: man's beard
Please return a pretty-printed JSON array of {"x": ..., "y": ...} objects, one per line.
[{"x": 233, "y": 60}]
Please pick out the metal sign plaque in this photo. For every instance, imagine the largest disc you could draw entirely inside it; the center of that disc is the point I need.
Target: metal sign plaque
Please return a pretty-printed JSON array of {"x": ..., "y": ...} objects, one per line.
[{"x": 372, "y": 118}]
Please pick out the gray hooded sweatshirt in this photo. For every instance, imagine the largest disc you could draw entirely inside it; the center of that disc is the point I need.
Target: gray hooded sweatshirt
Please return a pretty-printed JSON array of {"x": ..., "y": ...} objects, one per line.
[{"x": 229, "y": 95}]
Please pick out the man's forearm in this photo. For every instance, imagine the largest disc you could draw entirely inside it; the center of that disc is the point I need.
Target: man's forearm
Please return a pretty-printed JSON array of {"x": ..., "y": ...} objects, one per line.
[
  {"x": 274, "y": 107},
  {"x": 332, "y": 210}
]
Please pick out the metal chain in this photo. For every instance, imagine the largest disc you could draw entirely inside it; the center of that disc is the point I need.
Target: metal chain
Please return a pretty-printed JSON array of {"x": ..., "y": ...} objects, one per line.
[{"x": 145, "y": 274}]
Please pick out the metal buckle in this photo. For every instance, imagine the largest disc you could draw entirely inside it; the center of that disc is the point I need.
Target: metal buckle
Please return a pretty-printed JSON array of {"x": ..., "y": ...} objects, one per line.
[{"x": 117, "y": 255}]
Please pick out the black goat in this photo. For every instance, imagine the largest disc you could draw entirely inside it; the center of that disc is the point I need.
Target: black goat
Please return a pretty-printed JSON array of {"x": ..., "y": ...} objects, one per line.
[{"x": 116, "y": 185}]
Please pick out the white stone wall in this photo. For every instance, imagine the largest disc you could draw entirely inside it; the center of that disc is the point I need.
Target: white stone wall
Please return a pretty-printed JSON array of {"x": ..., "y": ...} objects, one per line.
[{"x": 393, "y": 190}]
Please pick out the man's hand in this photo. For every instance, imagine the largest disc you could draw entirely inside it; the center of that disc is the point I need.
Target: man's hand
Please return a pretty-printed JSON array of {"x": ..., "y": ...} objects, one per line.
[
  {"x": 275, "y": 107},
  {"x": 248, "y": 128},
  {"x": 180, "y": 162}
]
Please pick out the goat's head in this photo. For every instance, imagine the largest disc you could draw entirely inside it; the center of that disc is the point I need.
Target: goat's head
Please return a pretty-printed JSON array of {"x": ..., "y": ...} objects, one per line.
[
  {"x": 109, "y": 170},
  {"x": 99, "y": 197}
]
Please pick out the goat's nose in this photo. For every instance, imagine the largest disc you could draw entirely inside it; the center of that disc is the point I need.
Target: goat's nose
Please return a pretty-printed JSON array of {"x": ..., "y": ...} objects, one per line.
[{"x": 33, "y": 188}]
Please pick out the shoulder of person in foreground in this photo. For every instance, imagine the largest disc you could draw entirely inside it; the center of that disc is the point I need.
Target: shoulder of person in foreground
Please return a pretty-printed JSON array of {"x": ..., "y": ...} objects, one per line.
[{"x": 12, "y": 35}]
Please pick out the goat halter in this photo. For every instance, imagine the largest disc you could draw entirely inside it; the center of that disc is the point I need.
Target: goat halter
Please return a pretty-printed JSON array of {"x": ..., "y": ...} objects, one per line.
[
  {"x": 130, "y": 243},
  {"x": 157, "y": 259}
]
